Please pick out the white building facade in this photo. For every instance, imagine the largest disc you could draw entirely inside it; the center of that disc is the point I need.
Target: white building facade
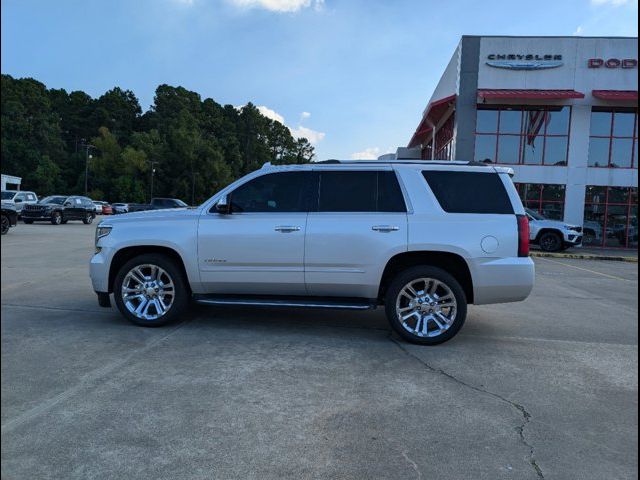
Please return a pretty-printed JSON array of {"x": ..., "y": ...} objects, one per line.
[{"x": 561, "y": 111}]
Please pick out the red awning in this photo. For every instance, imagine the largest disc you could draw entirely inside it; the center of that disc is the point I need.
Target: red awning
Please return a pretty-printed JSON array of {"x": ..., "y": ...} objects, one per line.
[
  {"x": 530, "y": 94},
  {"x": 626, "y": 95},
  {"x": 433, "y": 114}
]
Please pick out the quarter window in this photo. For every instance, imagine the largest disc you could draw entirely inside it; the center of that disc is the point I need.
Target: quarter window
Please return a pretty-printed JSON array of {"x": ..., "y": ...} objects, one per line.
[
  {"x": 360, "y": 191},
  {"x": 469, "y": 192},
  {"x": 273, "y": 192}
]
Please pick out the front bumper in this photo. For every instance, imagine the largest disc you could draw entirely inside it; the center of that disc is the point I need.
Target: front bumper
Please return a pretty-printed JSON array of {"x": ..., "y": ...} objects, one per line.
[
  {"x": 99, "y": 270},
  {"x": 572, "y": 238},
  {"x": 26, "y": 214}
]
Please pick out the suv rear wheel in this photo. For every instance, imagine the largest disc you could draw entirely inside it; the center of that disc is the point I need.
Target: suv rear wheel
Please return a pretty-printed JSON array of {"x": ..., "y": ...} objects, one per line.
[
  {"x": 426, "y": 305},
  {"x": 150, "y": 290}
]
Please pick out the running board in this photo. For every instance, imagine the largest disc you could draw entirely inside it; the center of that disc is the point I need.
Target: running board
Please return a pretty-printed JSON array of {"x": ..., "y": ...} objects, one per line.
[{"x": 296, "y": 302}]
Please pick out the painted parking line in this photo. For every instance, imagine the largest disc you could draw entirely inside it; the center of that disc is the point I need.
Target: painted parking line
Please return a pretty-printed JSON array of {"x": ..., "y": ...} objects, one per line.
[{"x": 586, "y": 270}]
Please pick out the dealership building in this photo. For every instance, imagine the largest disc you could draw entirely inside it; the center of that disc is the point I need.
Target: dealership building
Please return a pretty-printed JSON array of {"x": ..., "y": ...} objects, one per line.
[{"x": 561, "y": 111}]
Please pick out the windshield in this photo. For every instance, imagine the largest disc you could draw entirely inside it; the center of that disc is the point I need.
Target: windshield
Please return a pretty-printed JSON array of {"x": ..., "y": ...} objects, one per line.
[
  {"x": 8, "y": 195},
  {"x": 56, "y": 200},
  {"x": 535, "y": 215}
]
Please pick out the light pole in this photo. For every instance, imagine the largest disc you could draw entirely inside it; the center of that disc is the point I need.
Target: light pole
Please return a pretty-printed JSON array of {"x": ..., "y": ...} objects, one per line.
[
  {"x": 153, "y": 172},
  {"x": 87, "y": 147}
]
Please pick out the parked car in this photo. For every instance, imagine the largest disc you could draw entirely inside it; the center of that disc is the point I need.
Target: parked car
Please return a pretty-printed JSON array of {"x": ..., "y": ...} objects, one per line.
[
  {"x": 9, "y": 216},
  {"x": 102, "y": 208},
  {"x": 19, "y": 198},
  {"x": 422, "y": 239},
  {"x": 59, "y": 209},
  {"x": 553, "y": 235},
  {"x": 592, "y": 233},
  {"x": 120, "y": 208}
]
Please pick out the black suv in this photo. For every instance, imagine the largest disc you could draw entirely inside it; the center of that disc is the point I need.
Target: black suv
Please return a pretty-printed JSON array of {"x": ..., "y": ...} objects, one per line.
[{"x": 59, "y": 209}]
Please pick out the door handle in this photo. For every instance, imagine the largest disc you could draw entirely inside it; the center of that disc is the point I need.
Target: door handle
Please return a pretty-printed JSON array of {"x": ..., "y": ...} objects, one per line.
[
  {"x": 287, "y": 228},
  {"x": 385, "y": 228}
]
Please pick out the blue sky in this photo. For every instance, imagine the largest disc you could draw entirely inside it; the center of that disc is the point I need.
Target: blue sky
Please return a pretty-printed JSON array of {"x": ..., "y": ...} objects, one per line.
[{"x": 352, "y": 75}]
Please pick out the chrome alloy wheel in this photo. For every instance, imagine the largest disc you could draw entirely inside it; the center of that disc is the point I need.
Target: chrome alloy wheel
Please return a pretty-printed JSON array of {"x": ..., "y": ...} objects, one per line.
[
  {"x": 426, "y": 307},
  {"x": 148, "y": 291}
]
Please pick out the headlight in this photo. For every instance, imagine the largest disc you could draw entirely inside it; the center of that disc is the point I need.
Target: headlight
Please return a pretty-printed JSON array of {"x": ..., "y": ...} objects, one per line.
[{"x": 102, "y": 231}]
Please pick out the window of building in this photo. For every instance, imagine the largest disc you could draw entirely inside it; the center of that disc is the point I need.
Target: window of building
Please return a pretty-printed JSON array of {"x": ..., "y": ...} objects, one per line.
[
  {"x": 547, "y": 200},
  {"x": 522, "y": 135},
  {"x": 360, "y": 191},
  {"x": 469, "y": 192},
  {"x": 611, "y": 217},
  {"x": 613, "y": 139}
]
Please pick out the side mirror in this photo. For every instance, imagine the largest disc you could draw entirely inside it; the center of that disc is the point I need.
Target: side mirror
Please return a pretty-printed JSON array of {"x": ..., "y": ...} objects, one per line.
[
  {"x": 223, "y": 207},
  {"x": 67, "y": 204},
  {"x": 17, "y": 200}
]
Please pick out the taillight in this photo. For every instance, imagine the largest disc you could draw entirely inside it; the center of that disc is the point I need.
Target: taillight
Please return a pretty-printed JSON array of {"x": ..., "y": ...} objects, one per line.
[{"x": 524, "y": 233}]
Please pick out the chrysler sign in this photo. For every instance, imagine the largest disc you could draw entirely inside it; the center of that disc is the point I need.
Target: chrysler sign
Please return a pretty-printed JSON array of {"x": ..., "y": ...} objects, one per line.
[{"x": 529, "y": 61}]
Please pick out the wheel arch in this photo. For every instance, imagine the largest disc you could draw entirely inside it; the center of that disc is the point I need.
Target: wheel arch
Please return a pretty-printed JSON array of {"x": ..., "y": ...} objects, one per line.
[
  {"x": 452, "y": 263},
  {"x": 125, "y": 254}
]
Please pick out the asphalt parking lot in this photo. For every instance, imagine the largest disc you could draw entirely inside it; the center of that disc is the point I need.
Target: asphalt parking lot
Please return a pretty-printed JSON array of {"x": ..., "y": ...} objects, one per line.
[{"x": 543, "y": 389}]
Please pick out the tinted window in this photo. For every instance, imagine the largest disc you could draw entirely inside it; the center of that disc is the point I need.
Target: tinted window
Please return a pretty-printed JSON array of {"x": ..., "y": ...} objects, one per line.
[
  {"x": 360, "y": 191},
  {"x": 274, "y": 192},
  {"x": 469, "y": 192}
]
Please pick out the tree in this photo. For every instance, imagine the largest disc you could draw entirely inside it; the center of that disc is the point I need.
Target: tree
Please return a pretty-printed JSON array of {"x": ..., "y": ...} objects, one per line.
[{"x": 197, "y": 146}]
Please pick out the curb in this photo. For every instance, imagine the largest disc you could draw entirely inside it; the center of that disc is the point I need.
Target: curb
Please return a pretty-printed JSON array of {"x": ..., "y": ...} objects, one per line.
[{"x": 584, "y": 256}]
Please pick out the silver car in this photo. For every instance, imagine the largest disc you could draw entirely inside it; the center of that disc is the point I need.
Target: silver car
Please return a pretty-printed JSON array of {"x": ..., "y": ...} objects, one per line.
[{"x": 420, "y": 239}]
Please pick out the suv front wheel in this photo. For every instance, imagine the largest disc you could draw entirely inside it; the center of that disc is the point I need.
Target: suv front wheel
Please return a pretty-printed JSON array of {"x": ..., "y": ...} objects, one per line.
[
  {"x": 150, "y": 290},
  {"x": 425, "y": 305}
]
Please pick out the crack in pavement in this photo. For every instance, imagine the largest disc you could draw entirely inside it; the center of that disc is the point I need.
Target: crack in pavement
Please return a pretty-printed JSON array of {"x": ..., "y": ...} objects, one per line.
[{"x": 526, "y": 416}]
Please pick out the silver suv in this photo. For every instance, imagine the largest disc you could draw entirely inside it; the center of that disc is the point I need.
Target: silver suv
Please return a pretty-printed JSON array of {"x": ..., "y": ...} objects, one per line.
[{"x": 421, "y": 239}]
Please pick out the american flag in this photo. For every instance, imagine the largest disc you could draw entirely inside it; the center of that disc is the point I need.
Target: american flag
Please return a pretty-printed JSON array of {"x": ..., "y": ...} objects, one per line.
[{"x": 537, "y": 119}]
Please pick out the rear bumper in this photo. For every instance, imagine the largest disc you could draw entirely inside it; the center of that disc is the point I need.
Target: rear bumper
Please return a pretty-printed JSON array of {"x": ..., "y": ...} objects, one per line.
[{"x": 503, "y": 280}]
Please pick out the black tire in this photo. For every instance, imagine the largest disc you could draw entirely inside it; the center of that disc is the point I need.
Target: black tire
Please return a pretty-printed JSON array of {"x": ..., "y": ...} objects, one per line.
[
  {"x": 182, "y": 292},
  {"x": 6, "y": 224},
  {"x": 405, "y": 277},
  {"x": 56, "y": 218},
  {"x": 88, "y": 219},
  {"x": 28, "y": 222},
  {"x": 551, "y": 242}
]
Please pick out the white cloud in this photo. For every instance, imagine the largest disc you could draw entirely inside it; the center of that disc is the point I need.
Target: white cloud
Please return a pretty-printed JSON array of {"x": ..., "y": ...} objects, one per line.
[
  {"x": 278, "y": 5},
  {"x": 371, "y": 153},
  {"x": 614, "y": 3},
  {"x": 578, "y": 30},
  {"x": 272, "y": 114},
  {"x": 298, "y": 132},
  {"x": 312, "y": 135}
]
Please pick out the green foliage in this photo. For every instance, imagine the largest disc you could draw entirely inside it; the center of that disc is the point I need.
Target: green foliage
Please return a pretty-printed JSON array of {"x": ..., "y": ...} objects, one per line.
[{"x": 196, "y": 146}]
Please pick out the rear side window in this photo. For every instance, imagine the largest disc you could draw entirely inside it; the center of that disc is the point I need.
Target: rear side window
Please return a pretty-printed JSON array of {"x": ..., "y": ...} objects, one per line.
[
  {"x": 360, "y": 191},
  {"x": 469, "y": 192}
]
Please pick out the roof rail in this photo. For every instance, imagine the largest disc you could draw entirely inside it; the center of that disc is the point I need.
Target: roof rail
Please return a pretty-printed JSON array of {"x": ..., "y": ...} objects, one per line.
[{"x": 402, "y": 161}]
